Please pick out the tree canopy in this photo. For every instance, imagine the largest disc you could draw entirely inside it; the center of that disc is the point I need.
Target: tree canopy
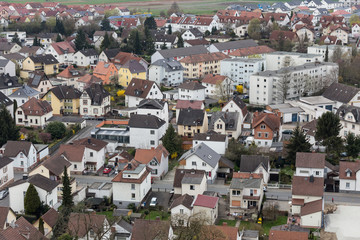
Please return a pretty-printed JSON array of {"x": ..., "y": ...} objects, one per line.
[
  {"x": 8, "y": 129},
  {"x": 56, "y": 129},
  {"x": 32, "y": 203},
  {"x": 172, "y": 141},
  {"x": 150, "y": 23},
  {"x": 298, "y": 143}
]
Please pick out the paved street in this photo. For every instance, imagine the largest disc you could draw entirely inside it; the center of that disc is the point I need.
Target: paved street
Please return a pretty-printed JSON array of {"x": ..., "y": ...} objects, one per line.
[{"x": 85, "y": 132}]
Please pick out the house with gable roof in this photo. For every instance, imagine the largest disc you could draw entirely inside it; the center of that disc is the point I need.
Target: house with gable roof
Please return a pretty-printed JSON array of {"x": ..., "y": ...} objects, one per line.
[
  {"x": 152, "y": 229},
  {"x": 158, "y": 108},
  {"x": 228, "y": 47},
  {"x": 206, "y": 207},
  {"x": 131, "y": 69},
  {"x": 24, "y": 94},
  {"x": 185, "y": 104},
  {"x": 23, "y": 154},
  {"x": 217, "y": 86},
  {"x": 8, "y": 217},
  {"x": 236, "y": 104},
  {"x": 310, "y": 164},
  {"x": 289, "y": 231},
  {"x": 191, "y": 90},
  {"x": 62, "y": 51},
  {"x": 350, "y": 120},
  {"x": 349, "y": 175},
  {"x": 166, "y": 71},
  {"x": 191, "y": 121},
  {"x": 94, "y": 101},
  {"x": 266, "y": 129},
  {"x": 86, "y": 57},
  {"x": 181, "y": 210},
  {"x": 217, "y": 142},
  {"x": 108, "y": 54},
  {"x": 191, "y": 34},
  {"x": 5, "y": 101},
  {"x": 343, "y": 94},
  {"x": 49, "y": 219},
  {"x": 256, "y": 164},
  {"x": 69, "y": 75},
  {"x": 155, "y": 158},
  {"x": 105, "y": 71},
  {"x": 201, "y": 157},
  {"x": 6, "y": 173},
  {"x": 33, "y": 113},
  {"x": 139, "y": 89},
  {"x": 189, "y": 181},
  {"x": 47, "y": 63},
  {"x": 21, "y": 229},
  {"x": 7, "y": 66},
  {"x": 39, "y": 81},
  {"x": 88, "y": 226},
  {"x": 227, "y": 123},
  {"x": 86, "y": 81}
]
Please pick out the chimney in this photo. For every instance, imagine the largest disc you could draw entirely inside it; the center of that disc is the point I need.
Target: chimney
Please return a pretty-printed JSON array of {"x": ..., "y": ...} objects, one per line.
[{"x": 129, "y": 166}]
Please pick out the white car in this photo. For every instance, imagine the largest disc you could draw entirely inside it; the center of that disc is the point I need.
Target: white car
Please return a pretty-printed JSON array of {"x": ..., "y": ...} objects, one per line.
[{"x": 153, "y": 202}]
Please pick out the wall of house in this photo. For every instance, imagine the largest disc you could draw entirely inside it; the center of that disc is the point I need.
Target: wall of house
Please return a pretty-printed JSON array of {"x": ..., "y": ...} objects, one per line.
[
  {"x": 194, "y": 162},
  {"x": 158, "y": 73},
  {"x": 316, "y": 172},
  {"x": 219, "y": 147},
  {"x": 125, "y": 76},
  {"x": 142, "y": 137},
  {"x": 177, "y": 217},
  {"x": 209, "y": 214},
  {"x": 260, "y": 137},
  {"x": 161, "y": 168},
  {"x": 352, "y": 185},
  {"x": 40, "y": 170},
  {"x": 94, "y": 156},
  {"x": 265, "y": 173},
  {"x": 6, "y": 175},
  {"x": 21, "y": 161},
  {"x": 198, "y": 188},
  {"x": 306, "y": 198},
  {"x": 160, "y": 113},
  {"x": 185, "y": 94},
  {"x": 311, "y": 220}
]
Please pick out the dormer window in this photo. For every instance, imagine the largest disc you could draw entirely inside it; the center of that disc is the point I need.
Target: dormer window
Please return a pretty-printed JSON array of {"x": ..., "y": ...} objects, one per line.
[
  {"x": 262, "y": 126},
  {"x": 348, "y": 173}
]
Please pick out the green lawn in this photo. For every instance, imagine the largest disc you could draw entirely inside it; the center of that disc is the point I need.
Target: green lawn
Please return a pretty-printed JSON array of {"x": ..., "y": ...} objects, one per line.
[
  {"x": 153, "y": 214},
  {"x": 108, "y": 214},
  {"x": 265, "y": 227},
  {"x": 229, "y": 222}
]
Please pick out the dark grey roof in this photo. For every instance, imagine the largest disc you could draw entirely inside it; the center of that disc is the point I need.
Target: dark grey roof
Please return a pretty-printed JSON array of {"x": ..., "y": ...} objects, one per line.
[
  {"x": 36, "y": 77},
  {"x": 196, "y": 32},
  {"x": 38, "y": 181},
  {"x": 241, "y": 183},
  {"x": 14, "y": 56},
  {"x": 97, "y": 94},
  {"x": 185, "y": 200},
  {"x": 180, "y": 173},
  {"x": 229, "y": 118},
  {"x": 134, "y": 66},
  {"x": 344, "y": 109},
  {"x": 24, "y": 92},
  {"x": 5, "y": 100},
  {"x": 249, "y": 163},
  {"x": 4, "y": 62},
  {"x": 151, "y": 104},
  {"x": 6, "y": 46},
  {"x": 235, "y": 44},
  {"x": 210, "y": 136},
  {"x": 89, "y": 52},
  {"x": 66, "y": 92},
  {"x": 192, "y": 178},
  {"x": 205, "y": 153},
  {"x": 340, "y": 92},
  {"x": 8, "y": 82},
  {"x": 176, "y": 52},
  {"x": 4, "y": 161},
  {"x": 71, "y": 119},
  {"x": 125, "y": 225},
  {"x": 46, "y": 59},
  {"x": 227, "y": 162},
  {"x": 169, "y": 65},
  {"x": 191, "y": 117},
  {"x": 145, "y": 121},
  {"x": 192, "y": 85},
  {"x": 111, "y": 53}
]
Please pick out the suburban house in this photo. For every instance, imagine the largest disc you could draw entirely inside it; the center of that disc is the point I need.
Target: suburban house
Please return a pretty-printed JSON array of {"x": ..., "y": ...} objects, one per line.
[
  {"x": 85, "y": 155},
  {"x": 131, "y": 69},
  {"x": 192, "y": 90},
  {"x": 8, "y": 217},
  {"x": 185, "y": 104},
  {"x": 206, "y": 208},
  {"x": 8, "y": 84},
  {"x": 289, "y": 231},
  {"x": 88, "y": 226},
  {"x": 100, "y": 35},
  {"x": 168, "y": 72},
  {"x": 69, "y": 76},
  {"x": 23, "y": 154},
  {"x": 146, "y": 131},
  {"x": 181, "y": 210},
  {"x": 120, "y": 159},
  {"x": 94, "y": 101},
  {"x": 132, "y": 184},
  {"x": 217, "y": 142},
  {"x": 86, "y": 57},
  {"x": 155, "y": 158},
  {"x": 349, "y": 119},
  {"x": 158, "y": 108},
  {"x": 256, "y": 164},
  {"x": 21, "y": 229},
  {"x": 62, "y": 51},
  {"x": 49, "y": 219},
  {"x": 349, "y": 175},
  {"x": 191, "y": 121},
  {"x": 23, "y": 94},
  {"x": 310, "y": 164},
  {"x": 335, "y": 92},
  {"x": 46, "y": 188},
  {"x": 236, "y": 105},
  {"x": 139, "y": 89},
  {"x": 64, "y": 100},
  {"x": 86, "y": 80},
  {"x": 7, "y": 66},
  {"x": 6, "y": 172},
  {"x": 121, "y": 230},
  {"x": 53, "y": 168},
  {"x": 46, "y": 63},
  {"x": 33, "y": 113},
  {"x": 106, "y": 71},
  {"x": 217, "y": 86},
  {"x": 189, "y": 181},
  {"x": 191, "y": 34},
  {"x": 9, "y": 47},
  {"x": 227, "y": 123},
  {"x": 246, "y": 192},
  {"x": 201, "y": 157},
  {"x": 152, "y": 229},
  {"x": 266, "y": 129},
  {"x": 108, "y": 54},
  {"x": 39, "y": 81}
]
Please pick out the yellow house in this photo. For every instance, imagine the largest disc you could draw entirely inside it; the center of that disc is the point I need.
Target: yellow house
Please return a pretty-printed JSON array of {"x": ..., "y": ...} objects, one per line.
[
  {"x": 49, "y": 220},
  {"x": 53, "y": 168},
  {"x": 64, "y": 100},
  {"x": 46, "y": 63},
  {"x": 8, "y": 216},
  {"x": 191, "y": 121},
  {"x": 128, "y": 71}
]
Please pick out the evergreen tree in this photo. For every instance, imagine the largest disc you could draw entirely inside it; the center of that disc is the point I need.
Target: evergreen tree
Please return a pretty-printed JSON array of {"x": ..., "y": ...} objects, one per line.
[
  {"x": 326, "y": 54},
  {"x": 16, "y": 39},
  {"x": 8, "y": 129},
  {"x": 41, "y": 226},
  {"x": 80, "y": 40},
  {"x": 105, "y": 24},
  {"x": 61, "y": 224},
  {"x": 163, "y": 47},
  {"x": 172, "y": 141},
  {"x": 58, "y": 38},
  {"x": 213, "y": 30},
  {"x": 59, "y": 27},
  {"x": 352, "y": 145},
  {"x": 298, "y": 143},
  {"x": 15, "y": 107},
  {"x": 56, "y": 129},
  {"x": 150, "y": 23},
  {"x": 67, "y": 200},
  {"x": 150, "y": 46},
  {"x": 36, "y": 41},
  {"x": 137, "y": 44},
  {"x": 32, "y": 202},
  {"x": 106, "y": 42},
  {"x": 169, "y": 31},
  {"x": 180, "y": 42}
]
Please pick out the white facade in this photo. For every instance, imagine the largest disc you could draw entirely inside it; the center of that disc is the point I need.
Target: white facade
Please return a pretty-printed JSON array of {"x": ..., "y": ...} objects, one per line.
[
  {"x": 214, "y": 91},
  {"x": 239, "y": 70},
  {"x": 10, "y": 35},
  {"x": 88, "y": 109},
  {"x": 209, "y": 214},
  {"x": 219, "y": 147},
  {"x": 194, "y": 162},
  {"x": 160, "y": 113},
  {"x": 83, "y": 61},
  {"x": 31, "y": 120},
  {"x": 6, "y": 174},
  {"x": 307, "y": 172},
  {"x": 180, "y": 214},
  {"x": 23, "y": 160},
  {"x": 188, "y": 35},
  {"x": 194, "y": 189},
  {"x": 321, "y": 50},
  {"x": 278, "y": 60},
  {"x": 65, "y": 58},
  {"x": 8, "y": 68},
  {"x": 186, "y": 94},
  {"x": 154, "y": 93},
  {"x": 145, "y": 137},
  {"x": 161, "y": 75}
]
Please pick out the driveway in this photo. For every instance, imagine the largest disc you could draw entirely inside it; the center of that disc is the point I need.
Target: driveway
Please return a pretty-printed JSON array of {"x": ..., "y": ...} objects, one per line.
[
  {"x": 162, "y": 198},
  {"x": 5, "y": 202}
]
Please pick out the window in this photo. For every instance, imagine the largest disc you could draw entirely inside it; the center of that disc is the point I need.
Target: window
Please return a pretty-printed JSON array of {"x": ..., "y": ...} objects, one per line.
[
  {"x": 193, "y": 163},
  {"x": 133, "y": 196},
  {"x": 347, "y": 185},
  {"x": 192, "y": 187},
  {"x": 236, "y": 192},
  {"x": 152, "y": 132},
  {"x": 75, "y": 166},
  {"x": 181, "y": 211},
  {"x": 317, "y": 173},
  {"x": 259, "y": 134},
  {"x": 91, "y": 154},
  {"x": 152, "y": 142},
  {"x": 22, "y": 163},
  {"x": 132, "y": 186},
  {"x": 204, "y": 164},
  {"x": 262, "y": 126},
  {"x": 266, "y": 135}
]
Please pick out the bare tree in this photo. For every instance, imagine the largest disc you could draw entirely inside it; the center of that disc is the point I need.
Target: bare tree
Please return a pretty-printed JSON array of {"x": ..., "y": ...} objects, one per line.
[
  {"x": 283, "y": 86},
  {"x": 223, "y": 89},
  {"x": 192, "y": 226}
]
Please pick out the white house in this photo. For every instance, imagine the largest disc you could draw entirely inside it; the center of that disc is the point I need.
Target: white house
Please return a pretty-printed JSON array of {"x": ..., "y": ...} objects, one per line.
[
  {"x": 139, "y": 89},
  {"x": 62, "y": 51},
  {"x": 349, "y": 119},
  {"x": 94, "y": 101},
  {"x": 201, "y": 157},
  {"x": 238, "y": 106},
  {"x": 4, "y": 100},
  {"x": 6, "y": 171},
  {"x": 278, "y": 60},
  {"x": 131, "y": 185},
  {"x": 168, "y": 72},
  {"x": 23, "y": 94},
  {"x": 181, "y": 210},
  {"x": 85, "y": 155},
  {"x": 355, "y": 30},
  {"x": 46, "y": 189},
  {"x": 217, "y": 86},
  {"x": 227, "y": 123},
  {"x": 228, "y": 47},
  {"x": 158, "y": 108},
  {"x": 310, "y": 164},
  {"x": 191, "y": 34},
  {"x": 256, "y": 164},
  {"x": 146, "y": 131},
  {"x": 190, "y": 181},
  {"x": 33, "y": 113},
  {"x": 23, "y": 154},
  {"x": 206, "y": 207},
  {"x": 321, "y": 50},
  {"x": 7, "y": 67},
  {"x": 349, "y": 175},
  {"x": 8, "y": 84},
  {"x": 215, "y": 141},
  {"x": 155, "y": 158},
  {"x": 192, "y": 90},
  {"x": 86, "y": 57}
]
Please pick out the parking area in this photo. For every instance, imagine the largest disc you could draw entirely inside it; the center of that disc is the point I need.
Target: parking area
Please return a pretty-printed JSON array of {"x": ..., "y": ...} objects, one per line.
[
  {"x": 5, "y": 202},
  {"x": 162, "y": 199}
]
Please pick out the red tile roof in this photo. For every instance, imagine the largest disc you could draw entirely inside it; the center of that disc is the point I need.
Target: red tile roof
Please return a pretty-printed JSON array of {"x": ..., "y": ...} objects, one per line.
[
  {"x": 213, "y": 79},
  {"x": 184, "y": 104},
  {"x": 134, "y": 164},
  {"x": 345, "y": 166},
  {"x": 287, "y": 232},
  {"x": 63, "y": 47},
  {"x": 243, "y": 52},
  {"x": 312, "y": 207},
  {"x": 277, "y": 34},
  {"x": 304, "y": 187},
  {"x": 67, "y": 72},
  {"x": 270, "y": 119},
  {"x": 206, "y": 201},
  {"x": 36, "y": 107},
  {"x": 146, "y": 155},
  {"x": 245, "y": 175}
]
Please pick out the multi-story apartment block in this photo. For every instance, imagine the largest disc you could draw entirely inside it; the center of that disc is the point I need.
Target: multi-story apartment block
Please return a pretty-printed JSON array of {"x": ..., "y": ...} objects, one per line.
[
  {"x": 278, "y": 60},
  {"x": 321, "y": 50}
]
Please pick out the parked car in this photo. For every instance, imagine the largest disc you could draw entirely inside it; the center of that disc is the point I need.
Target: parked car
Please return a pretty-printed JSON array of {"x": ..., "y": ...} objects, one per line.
[
  {"x": 153, "y": 202},
  {"x": 4, "y": 193},
  {"x": 106, "y": 170}
]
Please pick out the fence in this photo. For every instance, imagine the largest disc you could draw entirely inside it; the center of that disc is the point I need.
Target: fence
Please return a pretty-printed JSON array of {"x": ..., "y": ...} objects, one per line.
[{"x": 279, "y": 186}]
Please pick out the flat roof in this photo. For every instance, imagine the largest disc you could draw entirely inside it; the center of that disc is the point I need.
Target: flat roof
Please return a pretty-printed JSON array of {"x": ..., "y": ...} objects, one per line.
[{"x": 316, "y": 100}]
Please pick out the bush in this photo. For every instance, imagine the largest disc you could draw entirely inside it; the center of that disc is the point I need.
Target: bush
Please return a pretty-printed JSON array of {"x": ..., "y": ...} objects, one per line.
[
  {"x": 132, "y": 207},
  {"x": 56, "y": 129}
]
